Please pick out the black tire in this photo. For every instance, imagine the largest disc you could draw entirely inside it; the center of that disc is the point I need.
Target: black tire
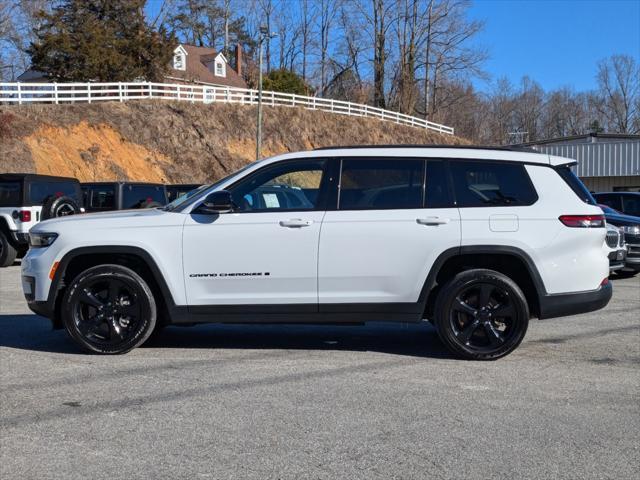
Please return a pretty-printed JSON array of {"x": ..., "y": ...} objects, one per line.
[
  {"x": 481, "y": 315},
  {"x": 56, "y": 207},
  {"x": 109, "y": 309},
  {"x": 8, "y": 252},
  {"x": 625, "y": 273}
]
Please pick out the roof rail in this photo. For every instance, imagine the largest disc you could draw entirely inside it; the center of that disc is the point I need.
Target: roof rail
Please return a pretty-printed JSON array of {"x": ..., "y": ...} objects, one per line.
[{"x": 510, "y": 148}]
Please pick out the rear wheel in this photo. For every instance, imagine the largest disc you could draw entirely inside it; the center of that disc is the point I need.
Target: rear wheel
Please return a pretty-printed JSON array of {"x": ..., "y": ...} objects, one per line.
[
  {"x": 8, "y": 252},
  {"x": 109, "y": 309},
  {"x": 481, "y": 315}
]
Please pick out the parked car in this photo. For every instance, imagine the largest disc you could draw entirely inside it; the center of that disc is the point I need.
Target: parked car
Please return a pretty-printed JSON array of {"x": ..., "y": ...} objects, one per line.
[
  {"x": 397, "y": 234},
  {"x": 616, "y": 248},
  {"x": 180, "y": 189},
  {"x": 106, "y": 196},
  {"x": 627, "y": 203},
  {"x": 25, "y": 200},
  {"x": 630, "y": 226}
]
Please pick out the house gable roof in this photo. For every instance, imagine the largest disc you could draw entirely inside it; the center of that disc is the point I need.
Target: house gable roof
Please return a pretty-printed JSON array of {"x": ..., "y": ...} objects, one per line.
[{"x": 196, "y": 70}]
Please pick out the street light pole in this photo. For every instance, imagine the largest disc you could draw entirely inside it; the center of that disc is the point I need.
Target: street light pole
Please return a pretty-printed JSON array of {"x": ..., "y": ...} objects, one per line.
[
  {"x": 259, "y": 126},
  {"x": 264, "y": 34}
]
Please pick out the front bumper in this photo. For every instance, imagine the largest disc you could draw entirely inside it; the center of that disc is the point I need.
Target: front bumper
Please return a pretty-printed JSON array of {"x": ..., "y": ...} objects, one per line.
[
  {"x": 565, "y": 304},
  {"x": 616, "y": 259},
  {"x": 632, "y": 262}
]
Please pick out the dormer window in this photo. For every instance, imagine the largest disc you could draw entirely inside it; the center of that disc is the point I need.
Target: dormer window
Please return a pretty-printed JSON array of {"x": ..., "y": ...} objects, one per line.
[
  {"x": 220, "y": 68},
  {"x": 179, "y": 59}
]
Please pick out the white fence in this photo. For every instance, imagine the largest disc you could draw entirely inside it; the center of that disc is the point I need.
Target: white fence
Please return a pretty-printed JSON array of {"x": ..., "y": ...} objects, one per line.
[{"x": 22, "y": 93}]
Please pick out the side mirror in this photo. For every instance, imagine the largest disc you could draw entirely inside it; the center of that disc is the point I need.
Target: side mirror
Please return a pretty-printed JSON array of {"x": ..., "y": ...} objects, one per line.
[{"x": 216, "y": 203}]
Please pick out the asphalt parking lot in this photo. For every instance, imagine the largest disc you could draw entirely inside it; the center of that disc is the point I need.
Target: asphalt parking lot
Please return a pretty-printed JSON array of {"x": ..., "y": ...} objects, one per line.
[{"x": 380, "y": 401}]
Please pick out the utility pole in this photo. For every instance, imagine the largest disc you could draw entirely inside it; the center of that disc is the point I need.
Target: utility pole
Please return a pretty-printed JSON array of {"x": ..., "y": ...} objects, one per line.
[{"x": 264, "y": 34}]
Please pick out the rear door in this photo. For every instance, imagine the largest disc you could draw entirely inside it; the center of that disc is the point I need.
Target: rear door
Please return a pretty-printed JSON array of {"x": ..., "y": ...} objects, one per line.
[{"x": 380, "y": 242}]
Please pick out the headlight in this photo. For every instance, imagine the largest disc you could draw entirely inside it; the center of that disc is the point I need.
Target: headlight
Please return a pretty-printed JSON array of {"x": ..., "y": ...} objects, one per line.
[
  {"x": 633, "y": 229},
  {"x": 39, "y": 240}
]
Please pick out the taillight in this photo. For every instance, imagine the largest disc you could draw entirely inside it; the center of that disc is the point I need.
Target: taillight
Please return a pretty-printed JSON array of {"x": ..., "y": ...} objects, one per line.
[
  {"x": 604, "y": 282},
  {"x": 582, "y": 221},
  {"x": 25, "y": 215}
]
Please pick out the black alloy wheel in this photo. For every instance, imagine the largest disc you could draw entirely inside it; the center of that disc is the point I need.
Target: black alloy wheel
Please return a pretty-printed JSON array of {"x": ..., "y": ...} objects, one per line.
[
  {"x": 109, "y": 309},
  {"x": 481, "y": 315}
]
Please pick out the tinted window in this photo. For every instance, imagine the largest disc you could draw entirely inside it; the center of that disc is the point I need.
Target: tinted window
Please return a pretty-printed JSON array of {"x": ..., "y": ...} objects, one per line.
[
  {"x": 631, "y": 204},
  {"x": 576, "y": 185},
  {"x": 290, "y": 186},
  {"x": 139, "y": 196},
  {"x": 379, "y": 184},
  {"x": 40, "y": 192},
  {"x": 437, "y": 194},
  {"x": 10, "y": 194},
  {"x": 483, "y": 184},
  {"x": 102, "y": 197},
  {"x": 612, "y": 201}
]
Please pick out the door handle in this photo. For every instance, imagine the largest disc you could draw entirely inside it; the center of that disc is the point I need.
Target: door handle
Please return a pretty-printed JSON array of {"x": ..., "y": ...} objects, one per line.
[
  {"x": 433, "y": 221},
  {"x": 295, "y": 223}
]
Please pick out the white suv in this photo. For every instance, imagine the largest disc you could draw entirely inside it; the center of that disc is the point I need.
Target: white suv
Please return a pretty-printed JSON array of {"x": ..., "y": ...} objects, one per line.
[{"x": 475, "y": 240}]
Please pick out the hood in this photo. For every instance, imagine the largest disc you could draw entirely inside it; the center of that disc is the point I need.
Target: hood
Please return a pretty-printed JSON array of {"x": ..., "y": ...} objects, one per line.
[{"x": 109, "y": 220}]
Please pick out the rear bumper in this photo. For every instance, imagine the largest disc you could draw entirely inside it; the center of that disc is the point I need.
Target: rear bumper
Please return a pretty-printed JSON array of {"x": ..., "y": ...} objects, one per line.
[{"x": 565, "y": 304}]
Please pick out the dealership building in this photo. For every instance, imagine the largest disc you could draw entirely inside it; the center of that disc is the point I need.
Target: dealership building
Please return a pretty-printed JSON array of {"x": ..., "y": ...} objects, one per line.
[{"x": 606, "y": 162}]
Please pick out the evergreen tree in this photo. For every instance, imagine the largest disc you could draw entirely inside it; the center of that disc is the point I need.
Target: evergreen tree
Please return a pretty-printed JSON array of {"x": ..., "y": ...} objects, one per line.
[
  {"x": 100, "y": 40},
  {"x": 285, "y": 81}
]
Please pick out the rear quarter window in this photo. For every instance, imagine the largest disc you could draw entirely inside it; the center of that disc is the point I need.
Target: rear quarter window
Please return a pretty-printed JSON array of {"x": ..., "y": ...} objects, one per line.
[{"x": 492, "y": 184}]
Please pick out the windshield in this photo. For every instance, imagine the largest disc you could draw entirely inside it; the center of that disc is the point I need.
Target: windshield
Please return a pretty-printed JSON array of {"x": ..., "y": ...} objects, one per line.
[
  {"x": 181, "y": 203},
  {"x": 576, "y": 184},
  {"x": 183, "y": 198},
  {"x": 609, "y": 210}
]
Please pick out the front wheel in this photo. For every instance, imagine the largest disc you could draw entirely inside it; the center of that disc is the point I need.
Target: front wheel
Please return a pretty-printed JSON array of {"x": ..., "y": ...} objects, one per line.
[
  {"x": 481, "y": 315},
  {"x": 8, "y": 252},
  {"x": 109, "y": 309}
]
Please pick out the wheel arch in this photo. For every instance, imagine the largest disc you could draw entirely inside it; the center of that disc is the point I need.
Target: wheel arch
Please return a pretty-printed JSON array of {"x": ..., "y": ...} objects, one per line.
[
  {"x": 511, "y": 261},
  {"x": 82, "y": 258}
]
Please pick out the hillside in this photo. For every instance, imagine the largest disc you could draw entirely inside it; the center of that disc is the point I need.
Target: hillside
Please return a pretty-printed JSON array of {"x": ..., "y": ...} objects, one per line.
[{"x": 173, "y": 142}]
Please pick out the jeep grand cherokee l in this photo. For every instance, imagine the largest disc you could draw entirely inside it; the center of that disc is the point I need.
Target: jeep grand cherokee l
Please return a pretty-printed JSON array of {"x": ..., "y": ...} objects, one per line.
[{"x": 477, "y": 241}]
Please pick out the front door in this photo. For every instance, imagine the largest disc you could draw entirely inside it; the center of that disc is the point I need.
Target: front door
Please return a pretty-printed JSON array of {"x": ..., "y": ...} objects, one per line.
[{"x": 266, "y": 251}]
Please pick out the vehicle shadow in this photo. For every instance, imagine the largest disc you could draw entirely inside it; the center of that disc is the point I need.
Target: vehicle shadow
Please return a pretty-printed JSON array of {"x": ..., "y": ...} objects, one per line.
[{"x": 31, "y": 332}]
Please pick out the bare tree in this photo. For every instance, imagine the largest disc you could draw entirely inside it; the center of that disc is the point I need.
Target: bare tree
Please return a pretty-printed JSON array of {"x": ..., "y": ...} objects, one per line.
[{"x": 619, "y": 91}]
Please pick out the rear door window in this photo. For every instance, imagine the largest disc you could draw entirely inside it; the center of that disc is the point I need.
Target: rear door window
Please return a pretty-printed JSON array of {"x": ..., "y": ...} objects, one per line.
[
  {"x": 10, "y": 194},
  {"x": 491, "y": 184},
  {"x": 381, "y": 184},
  {"x": 102, "y": 197},
  {"x": 41, "y": 191},
  {"x": 139, "y": 196}
]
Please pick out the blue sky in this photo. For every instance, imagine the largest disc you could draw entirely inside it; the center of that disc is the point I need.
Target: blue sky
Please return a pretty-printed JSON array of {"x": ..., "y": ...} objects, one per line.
[{"x": 556, "y": 42}]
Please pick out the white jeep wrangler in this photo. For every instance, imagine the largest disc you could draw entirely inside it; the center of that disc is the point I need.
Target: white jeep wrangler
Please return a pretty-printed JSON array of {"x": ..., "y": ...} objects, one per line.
[
  {"x": 25, "y": 199},
  {"x": 475, "y": 240}
]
